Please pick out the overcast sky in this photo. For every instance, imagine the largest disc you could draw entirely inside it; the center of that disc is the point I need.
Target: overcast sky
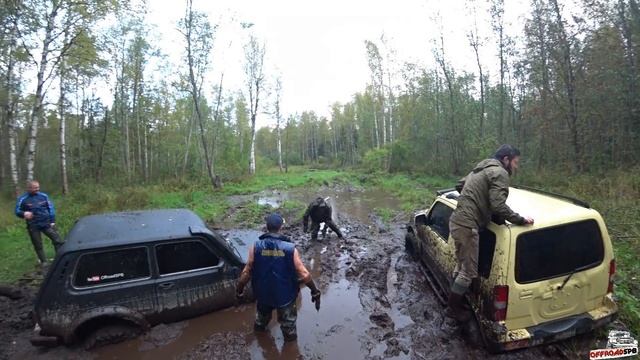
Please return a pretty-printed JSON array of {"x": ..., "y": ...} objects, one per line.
[{"x": 318, "y": 47}]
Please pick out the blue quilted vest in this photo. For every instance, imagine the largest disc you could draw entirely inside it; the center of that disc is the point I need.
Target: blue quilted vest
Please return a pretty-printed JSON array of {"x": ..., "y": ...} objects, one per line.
[{"x": 274, "y": 279}]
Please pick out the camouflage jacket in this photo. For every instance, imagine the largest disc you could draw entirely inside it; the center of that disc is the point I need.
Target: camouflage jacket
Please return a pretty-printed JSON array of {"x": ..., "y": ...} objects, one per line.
[
  {"x": 484, "y": 193},
  {"x": 318, "y": 210}
]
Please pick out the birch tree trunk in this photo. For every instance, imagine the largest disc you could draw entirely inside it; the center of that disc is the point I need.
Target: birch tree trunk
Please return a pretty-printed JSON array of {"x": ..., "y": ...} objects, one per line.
[
  {"x": 36, "y": 111},
  {"x": 497, "y": 14},
  {"x": 137, "y": 78},
  {"x": 188, "y": 144},
  {"x": 279, "y": 147},
  {"x": 146, "y": 154},
  {"x": 252, "y": 156},
  {"x": 375, "y": 123},
  {"x": 63, "y": 142},
  {"x": 98, "y": 175},
  {"x": 474, "y": 41},
  {"x": 9, "y": 110},
  {"x": 216, "y": 120},
  {"x": 203, "y": 25},
  {"x": 254, "y": 54},
  {"x": 278, "y": 121}
]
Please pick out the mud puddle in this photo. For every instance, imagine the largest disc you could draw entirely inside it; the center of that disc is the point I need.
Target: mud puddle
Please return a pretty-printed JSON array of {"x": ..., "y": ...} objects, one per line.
[
  {"x": 329, "y": 333},
  {"x": 359, "y": 204}
]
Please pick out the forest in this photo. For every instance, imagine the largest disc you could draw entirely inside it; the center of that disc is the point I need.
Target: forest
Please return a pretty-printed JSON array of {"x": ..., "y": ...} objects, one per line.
[{"x": 566, "y": 93}]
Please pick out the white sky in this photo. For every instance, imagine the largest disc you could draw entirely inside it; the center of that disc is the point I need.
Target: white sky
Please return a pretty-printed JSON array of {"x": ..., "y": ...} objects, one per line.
[{"x": 318, "y": 47}]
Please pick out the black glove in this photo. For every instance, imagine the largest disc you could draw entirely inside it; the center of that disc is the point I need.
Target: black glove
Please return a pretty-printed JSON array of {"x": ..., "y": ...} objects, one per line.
[{"x": 315, "y": 298}]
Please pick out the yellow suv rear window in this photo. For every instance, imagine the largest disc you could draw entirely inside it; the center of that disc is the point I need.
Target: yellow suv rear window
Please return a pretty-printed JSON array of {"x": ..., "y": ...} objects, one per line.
[{"x": 557, "y": 251}]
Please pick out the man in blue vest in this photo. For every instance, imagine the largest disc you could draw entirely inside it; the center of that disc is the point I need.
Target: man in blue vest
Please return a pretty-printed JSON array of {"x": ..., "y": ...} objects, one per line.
[
  {"x": 37, "y": 209},
  {"x": 276, "y": 270}
]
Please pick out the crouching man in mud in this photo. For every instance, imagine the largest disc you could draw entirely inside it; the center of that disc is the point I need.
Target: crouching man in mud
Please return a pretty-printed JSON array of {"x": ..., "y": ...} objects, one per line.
[
  {"x": 319, "y": 211},
  {"x": 275, "y": 270},
  {"x": 483, "y": 193}
]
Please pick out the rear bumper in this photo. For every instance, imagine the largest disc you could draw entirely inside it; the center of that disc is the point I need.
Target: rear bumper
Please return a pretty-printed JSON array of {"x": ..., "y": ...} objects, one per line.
[{"x": 556, "y": 330}]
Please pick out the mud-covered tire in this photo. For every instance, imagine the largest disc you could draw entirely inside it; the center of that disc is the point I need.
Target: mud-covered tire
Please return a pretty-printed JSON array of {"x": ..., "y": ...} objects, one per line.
[
  {"x": 111, "y": 334},
  {"x": 409, "y": 239}
]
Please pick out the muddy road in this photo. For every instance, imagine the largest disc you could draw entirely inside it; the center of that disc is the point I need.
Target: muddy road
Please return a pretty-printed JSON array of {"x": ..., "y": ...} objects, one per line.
[{"x": 376, "y": 303}]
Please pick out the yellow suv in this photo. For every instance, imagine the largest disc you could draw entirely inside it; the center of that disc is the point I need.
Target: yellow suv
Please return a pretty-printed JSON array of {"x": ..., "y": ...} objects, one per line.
[{"x": 537, "y": 284}]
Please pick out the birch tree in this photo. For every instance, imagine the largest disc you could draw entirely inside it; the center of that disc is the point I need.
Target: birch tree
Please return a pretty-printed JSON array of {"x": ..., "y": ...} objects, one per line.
[
  {"x": 377, "y": 83},
  {"x": 198, "y": 34},
  {"x": 278, "y": 92},
  {"x": 497, "y": 14},
  {"x": 55, "y": 26},
  {"x": 254, "y": 72},
  {"x": 10, "y": 26},
  {"x": 476, "y": 43}
]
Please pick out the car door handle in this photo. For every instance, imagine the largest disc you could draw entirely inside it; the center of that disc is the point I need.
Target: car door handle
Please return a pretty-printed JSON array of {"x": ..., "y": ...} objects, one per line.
[
  {"x": 166, "y": 286},
  {"x": 526, "y": 294}
]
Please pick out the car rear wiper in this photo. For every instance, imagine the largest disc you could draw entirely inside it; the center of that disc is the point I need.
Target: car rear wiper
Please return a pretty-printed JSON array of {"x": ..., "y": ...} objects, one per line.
[{"x": 584, "y": 267}]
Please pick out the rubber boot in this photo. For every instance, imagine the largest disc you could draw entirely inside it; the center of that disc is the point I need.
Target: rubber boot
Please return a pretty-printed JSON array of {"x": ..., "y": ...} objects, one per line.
[
  {"x": 457, "y": 308},
  {"x": 456, "y": 316}
]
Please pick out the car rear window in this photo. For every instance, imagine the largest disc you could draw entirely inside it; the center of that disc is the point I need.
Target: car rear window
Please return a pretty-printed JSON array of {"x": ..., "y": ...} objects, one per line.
[
  {"x": 112, "y": 266},
  {"x": 557, "y": 251},
  {"x": 439, "y": 219},
  {"x": 184, "y": 256}
]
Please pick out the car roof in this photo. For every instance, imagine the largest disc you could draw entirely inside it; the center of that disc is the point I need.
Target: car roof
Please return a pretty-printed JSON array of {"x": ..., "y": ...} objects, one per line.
[
  {"x": 130, "y": 227},
  {"x": 544, "y": 209}
]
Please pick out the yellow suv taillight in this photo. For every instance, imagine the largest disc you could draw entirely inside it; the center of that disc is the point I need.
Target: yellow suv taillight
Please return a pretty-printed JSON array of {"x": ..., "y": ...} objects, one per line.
[
  {"x": 612, "y": 272},
  {"x": 500, "y": 302}
]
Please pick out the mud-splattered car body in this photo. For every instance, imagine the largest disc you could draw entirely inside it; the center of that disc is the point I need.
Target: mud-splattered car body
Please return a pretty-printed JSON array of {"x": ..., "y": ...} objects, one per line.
[
  {"x": 536, "y": 284},
  {"x": 142, "y": 268}
]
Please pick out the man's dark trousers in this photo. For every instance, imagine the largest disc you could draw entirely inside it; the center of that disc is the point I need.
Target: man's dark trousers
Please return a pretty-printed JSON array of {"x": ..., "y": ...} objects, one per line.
[{"x": 35, "y": 233}]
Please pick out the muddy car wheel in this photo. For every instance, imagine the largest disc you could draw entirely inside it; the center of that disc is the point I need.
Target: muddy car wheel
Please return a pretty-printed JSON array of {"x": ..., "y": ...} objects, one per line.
[
  {"x": 111, "y": 334},
  {"x": 409, "y": 239}
]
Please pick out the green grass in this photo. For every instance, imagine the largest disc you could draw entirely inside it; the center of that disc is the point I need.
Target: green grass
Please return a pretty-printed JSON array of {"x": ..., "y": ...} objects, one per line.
[
  {"x": 414, "y": 192},
  {"x": 293, "y": 209},
  {"x": 17, "y": 252},
  {"x": 273, "y": 179},
  {"x": 252, "y": 214}
]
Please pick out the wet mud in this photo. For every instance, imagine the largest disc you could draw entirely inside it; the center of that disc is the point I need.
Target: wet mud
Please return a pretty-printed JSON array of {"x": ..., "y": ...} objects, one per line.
[{"x": 376, "y": 304}]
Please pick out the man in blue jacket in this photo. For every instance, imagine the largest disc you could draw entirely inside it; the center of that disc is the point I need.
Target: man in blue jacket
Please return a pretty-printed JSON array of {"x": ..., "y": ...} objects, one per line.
[
  {"x": 37, "y": 209},
  {"x": 276, "y": 270}
]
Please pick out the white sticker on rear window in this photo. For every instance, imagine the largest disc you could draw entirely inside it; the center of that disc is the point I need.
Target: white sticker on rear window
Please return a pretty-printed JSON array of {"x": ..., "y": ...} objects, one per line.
[{"x": 104, "y": 277}]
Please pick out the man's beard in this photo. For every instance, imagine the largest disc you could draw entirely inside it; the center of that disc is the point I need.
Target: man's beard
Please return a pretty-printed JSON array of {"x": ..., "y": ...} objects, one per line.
[{"x": 508, "y": 168}]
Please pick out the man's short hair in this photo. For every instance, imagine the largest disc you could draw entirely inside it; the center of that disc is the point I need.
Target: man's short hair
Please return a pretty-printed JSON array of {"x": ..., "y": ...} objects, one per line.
[
  {"x": 506, "y": 150},
  {"x": 274, "y": 222}
]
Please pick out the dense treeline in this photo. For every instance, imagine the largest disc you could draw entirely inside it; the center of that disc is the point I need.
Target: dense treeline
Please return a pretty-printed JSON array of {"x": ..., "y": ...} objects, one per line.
[
  {"x": 568, "y": 98},
  {"x": 565, "y": 91}
]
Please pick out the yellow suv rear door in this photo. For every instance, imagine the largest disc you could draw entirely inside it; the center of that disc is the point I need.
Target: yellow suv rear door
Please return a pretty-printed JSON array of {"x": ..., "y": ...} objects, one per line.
[{"x": 559, "y": 271}]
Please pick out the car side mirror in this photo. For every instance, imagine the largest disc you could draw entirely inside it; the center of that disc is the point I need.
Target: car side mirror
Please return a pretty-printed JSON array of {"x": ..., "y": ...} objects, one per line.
[{"x": 199, "y": 230}]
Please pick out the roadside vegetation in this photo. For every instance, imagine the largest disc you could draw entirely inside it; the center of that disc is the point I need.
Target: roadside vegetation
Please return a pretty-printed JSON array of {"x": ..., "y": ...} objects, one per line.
[{"x": 614, "y": 196}]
